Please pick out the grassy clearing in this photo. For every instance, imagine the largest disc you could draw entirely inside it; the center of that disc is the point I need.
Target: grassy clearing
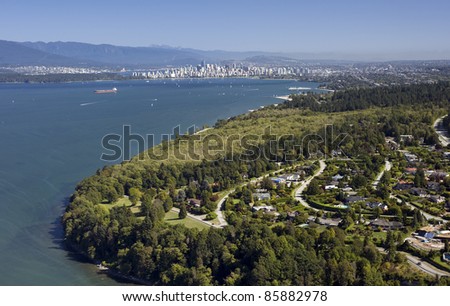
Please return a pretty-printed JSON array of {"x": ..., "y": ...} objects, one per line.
[
  {"x": 379, "y": 235},
  {"x": 213, "y": 143},
  {"x": 172, "y": 218},
  {"x": 124, "y": 201}
]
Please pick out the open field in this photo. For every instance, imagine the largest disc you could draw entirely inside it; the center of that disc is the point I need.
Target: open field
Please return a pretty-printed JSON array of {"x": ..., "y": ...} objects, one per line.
[
  {"x": 124, "y": 201},
  {"x": 172, "y": 218}
]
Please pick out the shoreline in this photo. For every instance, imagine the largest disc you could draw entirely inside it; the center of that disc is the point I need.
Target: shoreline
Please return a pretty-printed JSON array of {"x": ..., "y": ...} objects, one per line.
[
  {"x": 111, "y": 272},
  {"x": 286, "y": 98},
  {"x": 145, "y": 79}
]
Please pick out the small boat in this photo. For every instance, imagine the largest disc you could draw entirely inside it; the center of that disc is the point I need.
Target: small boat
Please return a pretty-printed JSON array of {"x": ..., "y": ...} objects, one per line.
[
  {"x": 103, "y": 91},
  {"x": 102, "y": 267}
]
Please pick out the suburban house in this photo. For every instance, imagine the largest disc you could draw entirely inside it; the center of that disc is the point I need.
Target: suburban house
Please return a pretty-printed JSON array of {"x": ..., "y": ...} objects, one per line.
[
  {"x": 392, "y": 144},
  {"x": 436, "y": 198},
  {"x": 411, "y": 158},
  {"x": 411, "y": 170},
  {"x": 291, "y": 177},
  {"x": 292, "y": 214},
  {"x": 353, "y": 199},
  {"x": 426, "y": 234},
  {"x": 324, "y": 221},
  {"x": 278, "y": 180},
  {"x": 403, "y": 186},
  {"x": 420, "y": 192},
  {"x": 330, "y": 187},
  {"x": 265, "y": 208},
  {"x": 337, "y": 177},
  {"x": 194, "y": 203},
  {"x": 406, "y": 138},
  {"x": 373, "y": 205},
  {"x": 434, "y": 186},
  {"x": 328, "y": 221},
  {"x": 261, "y": 196},
  {"x": 385, "y": 224},
  {"x": 438, "y": 176}
]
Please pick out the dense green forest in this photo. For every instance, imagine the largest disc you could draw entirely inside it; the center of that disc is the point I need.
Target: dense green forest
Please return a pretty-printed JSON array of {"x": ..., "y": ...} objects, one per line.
[
  {"x": 438, "y": 94},
  {"x": 248, "y": 251}
]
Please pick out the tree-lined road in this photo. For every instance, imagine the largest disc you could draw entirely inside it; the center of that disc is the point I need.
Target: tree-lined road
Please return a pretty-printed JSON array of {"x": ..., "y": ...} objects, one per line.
[
  {"x": 442, "y": 133},
  {"x": 298, "y": 193},
  {"x": 387, "y": 167},
  {"x": 419, "y": 264}
]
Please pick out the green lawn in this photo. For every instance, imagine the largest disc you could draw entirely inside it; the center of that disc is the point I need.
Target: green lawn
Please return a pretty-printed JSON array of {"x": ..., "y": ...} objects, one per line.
[
  {"x": 380, "y": 236},
  {"x": 440, "y": 263},
  {"x": 172, "y": 218},
  {"x": 124, "y": 201}
]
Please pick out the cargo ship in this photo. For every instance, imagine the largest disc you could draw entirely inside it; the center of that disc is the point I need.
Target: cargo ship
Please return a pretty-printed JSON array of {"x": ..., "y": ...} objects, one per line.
[{"x": 103, "y": 91}]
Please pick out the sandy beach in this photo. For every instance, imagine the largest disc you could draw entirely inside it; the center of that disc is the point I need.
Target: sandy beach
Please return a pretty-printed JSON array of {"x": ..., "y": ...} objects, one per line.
[{"x": 286, "y": 98}]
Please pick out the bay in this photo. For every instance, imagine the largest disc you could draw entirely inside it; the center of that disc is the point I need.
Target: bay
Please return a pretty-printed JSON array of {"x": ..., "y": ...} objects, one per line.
[{"x": 51, "y": 139}]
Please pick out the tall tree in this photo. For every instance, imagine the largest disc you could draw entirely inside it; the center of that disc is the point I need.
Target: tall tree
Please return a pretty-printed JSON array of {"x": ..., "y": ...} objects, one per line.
[
  {"x": 419, "y": 178},
  {"x": 183, "y": 211},
  {"x": 135, "y": 195}
]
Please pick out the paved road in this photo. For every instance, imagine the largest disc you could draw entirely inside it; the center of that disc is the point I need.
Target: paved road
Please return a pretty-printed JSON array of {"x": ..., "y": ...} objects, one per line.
[
  {"x": 442, "y": 133},
  {"x": 219, "y": 211},
  {"x": 419, "y": 264},
  {"x": 387, "y": 167},
  {"x": 197, "y": 217},
  {"x": 425, "y": 214},
  {"x": 424, "y": 266},
  {"x": 299, "y": 191}
]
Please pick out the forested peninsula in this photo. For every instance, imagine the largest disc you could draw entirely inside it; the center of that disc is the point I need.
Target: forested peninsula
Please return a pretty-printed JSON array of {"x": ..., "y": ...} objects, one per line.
[{"x": 123, "y": 216}]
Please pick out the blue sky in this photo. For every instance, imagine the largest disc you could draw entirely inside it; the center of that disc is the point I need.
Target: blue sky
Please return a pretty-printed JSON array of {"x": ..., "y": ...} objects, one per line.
[{"x": 324, "y": 26}]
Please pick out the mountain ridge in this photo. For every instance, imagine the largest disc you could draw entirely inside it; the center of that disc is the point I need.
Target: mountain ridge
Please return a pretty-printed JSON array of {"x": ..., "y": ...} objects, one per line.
[{"x": 69, "y": 53}]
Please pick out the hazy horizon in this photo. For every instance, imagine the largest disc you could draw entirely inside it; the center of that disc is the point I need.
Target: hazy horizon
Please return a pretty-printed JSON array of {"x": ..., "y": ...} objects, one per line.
[{"x": 348, "y": 30}]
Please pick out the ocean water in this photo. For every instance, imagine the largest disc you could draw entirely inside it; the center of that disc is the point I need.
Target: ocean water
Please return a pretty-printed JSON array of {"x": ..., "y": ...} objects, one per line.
[{"x": 50, "y": 138}]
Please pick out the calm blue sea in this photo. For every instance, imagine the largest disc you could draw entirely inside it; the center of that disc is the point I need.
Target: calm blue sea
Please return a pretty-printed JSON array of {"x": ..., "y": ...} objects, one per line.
[{"x": 50, "y": 138}]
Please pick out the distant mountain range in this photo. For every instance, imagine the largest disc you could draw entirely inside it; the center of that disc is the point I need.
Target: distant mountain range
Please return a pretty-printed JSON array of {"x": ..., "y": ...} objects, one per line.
[
  {"x": 83, "y": 54},
  {"x": 13, "y": 53},
  {"x": 77, "y": 54}
]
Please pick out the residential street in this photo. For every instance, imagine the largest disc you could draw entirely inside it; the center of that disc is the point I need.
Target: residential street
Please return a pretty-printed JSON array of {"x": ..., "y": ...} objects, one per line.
[
  {"x": 299, "y": 191},
  {"x": 421, "y": 265},
  {"x": 197, "y": 217},
  {"x": 442, "y": 133},
  {"x": 219, "y": 212},
  {"x": 424, "y": 266},
  {"x": 425, "y": 214},
  {"x": 387, "y": 167}
]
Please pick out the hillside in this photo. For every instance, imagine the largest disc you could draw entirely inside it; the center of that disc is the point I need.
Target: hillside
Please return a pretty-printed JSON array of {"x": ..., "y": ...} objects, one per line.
[
  {"x": 84, "y": 54},
  {"x": 258, "y": 244},
  {"x": 118, "y": 55},
  {"x": 12, "y": 53}
]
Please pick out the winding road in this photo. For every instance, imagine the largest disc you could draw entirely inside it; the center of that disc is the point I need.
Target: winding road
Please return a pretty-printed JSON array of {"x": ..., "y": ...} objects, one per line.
[
  {"x": 445, "y": 140},
  {"x": 420, "y": 264},
  {"x": 219, "y": 212},
  {"x": 425, "y": 214},
  {"x": 442, "y": 133},
  {"x": 298, "y": 193},
  {"x": 197, "y": 217},
  {"x": 387, "y": 167}
]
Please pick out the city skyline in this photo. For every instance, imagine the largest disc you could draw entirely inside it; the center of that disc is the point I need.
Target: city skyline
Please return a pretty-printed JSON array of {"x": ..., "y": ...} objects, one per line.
[{"x": 347, "y": 29}]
